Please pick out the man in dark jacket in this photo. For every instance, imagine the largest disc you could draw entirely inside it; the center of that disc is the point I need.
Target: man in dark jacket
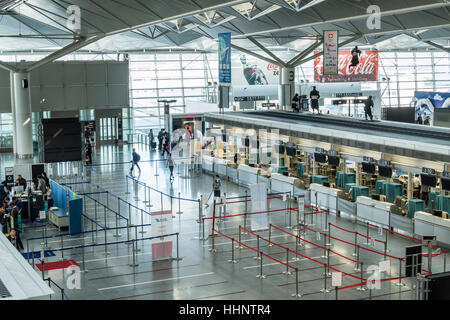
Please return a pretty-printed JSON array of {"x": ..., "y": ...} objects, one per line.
[
  {"x": 295, "y": 103},
  {"x": 21, "y": 182},
  {"x": 160, "y": 139},
  {"x": 368, "y": 104},
  {"x": 134, "y": 161},
  {"x": 356, "y": 53},
  {"x": 314, "y": 96}
]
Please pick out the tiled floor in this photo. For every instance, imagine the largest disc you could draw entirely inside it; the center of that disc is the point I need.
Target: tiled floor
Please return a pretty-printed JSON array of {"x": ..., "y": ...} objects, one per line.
[{"x": 202, "y": 274}]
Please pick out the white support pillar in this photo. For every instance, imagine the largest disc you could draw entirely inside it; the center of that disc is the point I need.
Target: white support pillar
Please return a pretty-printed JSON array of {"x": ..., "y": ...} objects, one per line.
[
  {"x": 410, "y": 186},
  {"x": 11, "y": 80},
  {"x": 21, "y": 104},
  {"x": 286, "y": 88}
]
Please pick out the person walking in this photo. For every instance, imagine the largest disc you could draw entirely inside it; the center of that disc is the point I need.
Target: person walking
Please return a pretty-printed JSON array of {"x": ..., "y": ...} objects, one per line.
[
  {"x": 368, "y": 105},
  {"x": 136, "y": 158},
  {"x": 216, "y": 186},
  {"x": 295, "y": 103},
  {"x": 171, "y": 165}
]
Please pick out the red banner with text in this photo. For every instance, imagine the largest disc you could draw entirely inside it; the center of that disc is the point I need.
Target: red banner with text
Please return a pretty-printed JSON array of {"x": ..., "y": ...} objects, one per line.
[{"x": 366, "y": 70}]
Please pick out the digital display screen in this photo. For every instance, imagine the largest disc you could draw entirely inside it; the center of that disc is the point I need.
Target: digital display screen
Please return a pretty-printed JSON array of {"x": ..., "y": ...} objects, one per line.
[
  {"x": 385, "y": 171},
  {"x": 368, "y": 167},
  {"x": 428, "y": 180},
  {"x": 333, "y": 161},
  {"x": 320, "y": 157},
  {"x": 445, "y": 184}
]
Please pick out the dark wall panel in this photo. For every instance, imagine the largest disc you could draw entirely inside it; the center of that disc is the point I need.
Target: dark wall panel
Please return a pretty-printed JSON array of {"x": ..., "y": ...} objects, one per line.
[
  {"x": 62, "y": 140},
  {"x": 400, "y": 114}
]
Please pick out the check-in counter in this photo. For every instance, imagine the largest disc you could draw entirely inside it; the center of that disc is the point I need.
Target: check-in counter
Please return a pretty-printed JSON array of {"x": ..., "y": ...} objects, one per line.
[
  {"x": 247, "y": 175},
  {"x": 426, "y": 224},
  {"x": 281, "y": 183},
  {"x": 59, "y": 217},
  {"x": 373, "y": 210},
  {"x": 220, "y": 166},
  {"x": 265, "y": 179},
  {"x": 208, "y": 163},
  {"x": 232, "y": 174},
  {"x": 402, "y": 223},
  {"x": 302, "y": 192},
  {"x": 347, "y": 207},
  {"x": 324, "y": 197}
]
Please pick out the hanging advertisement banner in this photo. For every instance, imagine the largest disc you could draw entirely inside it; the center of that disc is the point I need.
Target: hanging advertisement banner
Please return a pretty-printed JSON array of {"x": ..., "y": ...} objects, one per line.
[
  {"x": 330, "y": 52},
  {"x": 258, "y": 194},
  {"x": 366, "y": 70},
  {"x": 225, "y": 58},
  {"x": 161, "y": 225}
]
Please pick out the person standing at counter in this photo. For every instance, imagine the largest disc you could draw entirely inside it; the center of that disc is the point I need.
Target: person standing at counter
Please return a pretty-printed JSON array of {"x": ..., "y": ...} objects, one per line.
[
  {"x": 21, "y": 182},
  {"x": 368, "y": 105},
  {"x": 295, "y": 102},
  {"x": 49, "y": 197},
  {"x": 416, "y": 184},
  {"x": 314, "y": 96}
]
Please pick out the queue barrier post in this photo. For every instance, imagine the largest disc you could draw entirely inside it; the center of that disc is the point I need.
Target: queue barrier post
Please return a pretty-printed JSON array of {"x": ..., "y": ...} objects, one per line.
[
  {"x": 179, "y": 203},
  {"x": 232, "y": 261},
  {"x": 328, "y": 243},
  {"x": 136, "y": 237},
  {"x": 354, "y": 254},
  {"x": 129, "y": 213},
  {"x": 239, "y": 246},
  {"x": 361, "y": 287},
  {"x": 324, "y": 255},
  {"x": 357, "y": 259},
  {"x": 257, "y": 257},
  {"x": 325, "y": 289},
  {"x": 82, "y": 258},
  {"x": 270, "y": 235},
  {"x": 246, "y": 202},
  {"x": 368, "y": 233},
  {"x": 142, "y": 222},
  {"x": 260, "y": 275},
  {"x": 287, "y": 272},
  {"x": 28, "y": 250},
  {"x": 399, "y": 283},
  {"x": 134, "y": 264},
  {"x": 297, "y": 293},
  {"x": 92, "y": 233},
  {"x": 156, "y": 171},
  {"x": 296, "y": 258}
]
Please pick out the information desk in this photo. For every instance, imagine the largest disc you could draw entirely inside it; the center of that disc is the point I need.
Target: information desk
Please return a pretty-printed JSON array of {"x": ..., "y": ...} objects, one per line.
[
  {"x": 281, "y": 183},
  {"x": 373, "y": 210},
  {"x": 232, "y": 174},
  {"x": 220, "y": 166},
  {"x": 426, "y": 224},
  {"x": 247, "y": 175},
  {"x": 59, "y": 218},
  {"x": 324, "y": 197}
]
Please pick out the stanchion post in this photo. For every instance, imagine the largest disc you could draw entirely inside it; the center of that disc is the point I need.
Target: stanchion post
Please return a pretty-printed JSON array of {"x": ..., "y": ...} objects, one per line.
[
  {"x": 239, "y": 246},
  {"x": 149, "y": 197},
  {"x": 246, "y": 200},
  {"x": 325, "y": 290},
  {"x": 399, "y": 283},
  {"x": 297, "y": 293},
  {"x": 129, "y": 213},
  {"x": 357, "y": 259},
  {"x": 134, "y": 264},
  {"x": 356, "y": 244},
  {"x": 296, "y": 258},
  {"x": 179, "y": 203},
  {"x": 361, "y": 287},
  {"x": 257, "y": 248},
  {"x": 328, "y": 244},
  {"x": 287, "y": 272},
  {"x": 270, "y": 235},
  {"x": 232, "y": 261},
  {"x": 162, "y": 202},
  {"x": 82, "y": 258},
  {"x": 106, "y": 234},
  {"x": 28, "y": 250},
  {"x": 260, "y": 275},
  {"x": 368, "y": 233},
  {"x": 136, "y": 238},
  {"x": 142, "y": 222}
]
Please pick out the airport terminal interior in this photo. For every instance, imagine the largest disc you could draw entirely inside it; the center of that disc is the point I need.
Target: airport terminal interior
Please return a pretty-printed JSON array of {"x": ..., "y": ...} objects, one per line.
[{"x": 224, "y": 150}]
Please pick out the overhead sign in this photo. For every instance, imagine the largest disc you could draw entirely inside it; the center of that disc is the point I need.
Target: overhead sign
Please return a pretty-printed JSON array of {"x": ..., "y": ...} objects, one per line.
[
  {"x": 384, "y": 163},
  {"x": 446, "y": 174},
  {"x": 347, "y": 94},
  {"x": 368, "y": 159},
  {"x": 330, "y": 52},
  {"x": 366, "y": 70},
  {"x": 9, "y": 174},
  {"x": 250, "y": 98},
  {"x": 225, "y": 58},
  {"x": 428, "y": 171},
  {"x": 161, "y": 225}
]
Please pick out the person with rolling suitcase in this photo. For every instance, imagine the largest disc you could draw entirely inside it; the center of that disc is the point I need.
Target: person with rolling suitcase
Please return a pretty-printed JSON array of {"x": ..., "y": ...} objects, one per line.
[{"x": 151, "y": 137}]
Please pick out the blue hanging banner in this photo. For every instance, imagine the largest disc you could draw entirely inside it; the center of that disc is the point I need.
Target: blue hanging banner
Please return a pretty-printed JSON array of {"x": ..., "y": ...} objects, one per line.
[{"x": 225, "y": 58}]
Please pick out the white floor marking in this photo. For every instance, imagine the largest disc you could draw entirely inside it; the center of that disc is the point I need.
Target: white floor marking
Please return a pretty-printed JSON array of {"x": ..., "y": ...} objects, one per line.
[{"x": 154, "y": 281}]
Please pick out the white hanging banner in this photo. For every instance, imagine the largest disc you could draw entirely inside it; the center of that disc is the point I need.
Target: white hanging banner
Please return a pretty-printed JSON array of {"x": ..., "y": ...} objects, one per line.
[
  {"x": 161, "y": 226},
  {"x": 258, "y": 194},
  {"x": 330, "y": 52}
]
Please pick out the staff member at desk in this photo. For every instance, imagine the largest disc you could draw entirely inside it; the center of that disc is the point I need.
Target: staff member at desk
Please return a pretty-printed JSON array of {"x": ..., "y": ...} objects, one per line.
[
  {"x": 49, "y": 195},
  {"x": 21, "y": 182},
  {"x": 416, "y": 185}
]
